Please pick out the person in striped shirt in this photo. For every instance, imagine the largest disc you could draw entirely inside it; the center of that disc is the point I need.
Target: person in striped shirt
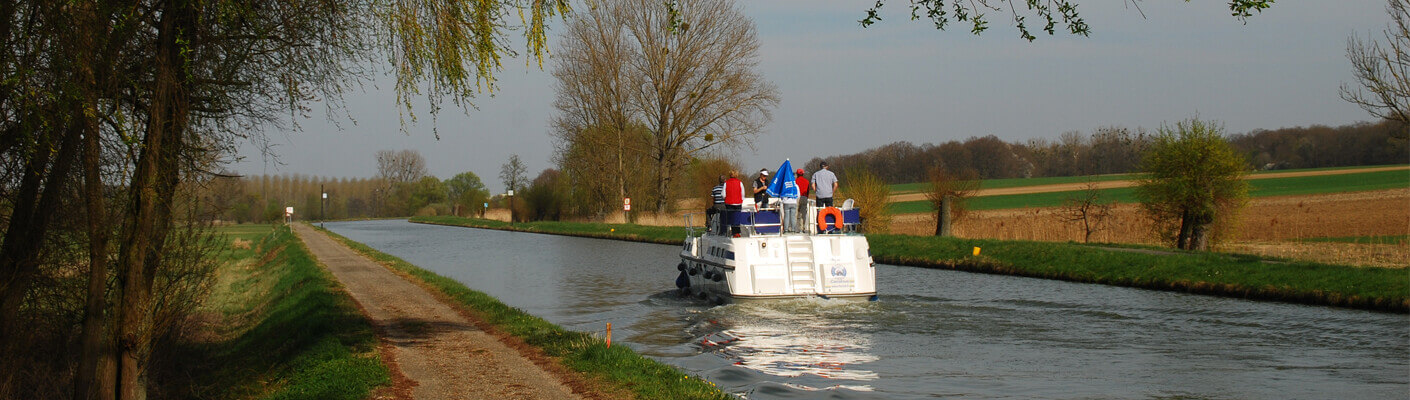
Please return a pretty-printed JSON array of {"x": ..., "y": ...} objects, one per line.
[{"x": 718, "y": 194}]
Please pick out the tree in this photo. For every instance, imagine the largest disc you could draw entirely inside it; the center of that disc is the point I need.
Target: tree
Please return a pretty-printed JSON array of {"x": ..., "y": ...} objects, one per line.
[
  {"x": 405, "y": 166},
  {"x": 687, "y": 73},
  {"x": 1193, "y": 179},
  {"x": 1383, "y": 73},
  {"x": 544, "y": 199},
  {"x": 1089, "y": 208},
  {"x": 170, "y": 86},
  {"x": 941, "y": 13},
  {"x": 871, "y": 196},
  {"x": 512, "y": 174},
  {"x": 466, "y": 191},
  {"x": 426, "y": 192},
  {"x": 948, "y": 194}
]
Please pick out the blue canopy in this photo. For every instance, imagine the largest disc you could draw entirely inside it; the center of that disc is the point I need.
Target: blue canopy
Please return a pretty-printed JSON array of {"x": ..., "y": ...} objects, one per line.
[{"x": 783, "y": 185}]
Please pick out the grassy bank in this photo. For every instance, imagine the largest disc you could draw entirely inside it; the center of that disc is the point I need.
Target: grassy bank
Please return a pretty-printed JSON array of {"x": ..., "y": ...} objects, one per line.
[
  {"x": 618, "y": 368},
  {"x": 632, "y": 232},
  {"x": 1232, "y": 275},
  {"x": 287, "y": 331}
]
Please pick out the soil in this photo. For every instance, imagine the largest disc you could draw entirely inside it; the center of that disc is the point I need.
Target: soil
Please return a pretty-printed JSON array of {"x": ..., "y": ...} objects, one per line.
[
  {"x": 1067, "y": 187},
  {"x": 435, "y": 350},
  {"x": 1270, "y": 226}
]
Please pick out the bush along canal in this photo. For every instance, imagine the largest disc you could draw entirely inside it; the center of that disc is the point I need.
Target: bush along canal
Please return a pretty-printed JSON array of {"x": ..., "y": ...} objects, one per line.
[{"x": 1220, "y": 274}]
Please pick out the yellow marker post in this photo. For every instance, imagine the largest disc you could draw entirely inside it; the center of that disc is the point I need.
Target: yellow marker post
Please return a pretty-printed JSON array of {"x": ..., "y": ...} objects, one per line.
[{"x": 976, "y": 251}]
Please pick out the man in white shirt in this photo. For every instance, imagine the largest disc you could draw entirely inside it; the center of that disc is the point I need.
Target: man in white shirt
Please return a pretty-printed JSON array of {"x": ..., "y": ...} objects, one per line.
[{"x": 825, "y": 185}]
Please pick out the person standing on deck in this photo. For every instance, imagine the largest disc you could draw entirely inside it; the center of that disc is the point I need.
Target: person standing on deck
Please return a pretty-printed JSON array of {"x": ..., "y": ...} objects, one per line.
[
  {"x": 734, "y": 192},
  {"x": 825, "y": 185},
  {"x": 718, "y": 196},
  {"x": 801, "y": 183},
  {"x": 734, "y": 199},
  {"x": 761, "y": 190}
]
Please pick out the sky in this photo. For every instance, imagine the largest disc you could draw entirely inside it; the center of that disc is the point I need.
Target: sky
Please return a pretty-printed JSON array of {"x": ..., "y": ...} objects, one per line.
[{"x": 845, "y": 89}]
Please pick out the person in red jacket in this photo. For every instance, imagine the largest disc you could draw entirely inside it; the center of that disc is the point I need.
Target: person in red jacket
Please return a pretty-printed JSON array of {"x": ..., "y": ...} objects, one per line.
[
  {"x": 734, "y": 192},
  {"x": 802, "y": 183},
  {"x": 734, "y": 201}
]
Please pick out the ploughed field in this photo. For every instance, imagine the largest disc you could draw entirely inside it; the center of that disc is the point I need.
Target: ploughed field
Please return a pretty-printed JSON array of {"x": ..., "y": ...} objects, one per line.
[{"x": 1327, "y": 217}]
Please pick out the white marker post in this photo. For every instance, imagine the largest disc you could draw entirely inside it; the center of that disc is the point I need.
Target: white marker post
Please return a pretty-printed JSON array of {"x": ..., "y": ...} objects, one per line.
[{"x": 626, "y": 208}]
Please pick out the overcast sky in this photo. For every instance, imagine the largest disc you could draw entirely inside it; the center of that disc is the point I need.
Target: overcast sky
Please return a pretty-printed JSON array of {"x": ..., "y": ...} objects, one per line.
[{"x": 846, "y": 89}]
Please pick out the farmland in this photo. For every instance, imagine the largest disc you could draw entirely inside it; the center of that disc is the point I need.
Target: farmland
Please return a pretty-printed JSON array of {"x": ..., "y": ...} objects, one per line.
[{"x": 1358, "y": 216}]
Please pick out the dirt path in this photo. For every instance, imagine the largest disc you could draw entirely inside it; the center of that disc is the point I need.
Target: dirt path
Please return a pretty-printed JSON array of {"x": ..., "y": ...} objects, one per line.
[
  {"x": 437, "y": 348},
  {"x": 1067, "y": 187}
]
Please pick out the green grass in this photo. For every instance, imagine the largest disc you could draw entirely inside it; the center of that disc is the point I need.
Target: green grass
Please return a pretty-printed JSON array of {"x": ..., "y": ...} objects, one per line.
[
  {"x": 1305, "y": 185},
  {"x": 640, "y": 233},
  {"x": 1380, "y": 239},
  {"x": 618, "y": 367},
  {"x": 1233, "y": 275},
  {"x": 288, "y": 332}
]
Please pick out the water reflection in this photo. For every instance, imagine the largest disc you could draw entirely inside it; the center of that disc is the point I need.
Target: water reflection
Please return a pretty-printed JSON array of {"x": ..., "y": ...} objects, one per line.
[{"x": 790, "y": 338}]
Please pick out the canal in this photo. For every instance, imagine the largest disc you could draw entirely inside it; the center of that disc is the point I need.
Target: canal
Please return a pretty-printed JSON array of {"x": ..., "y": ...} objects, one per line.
[{"x": 932, "y": 334}]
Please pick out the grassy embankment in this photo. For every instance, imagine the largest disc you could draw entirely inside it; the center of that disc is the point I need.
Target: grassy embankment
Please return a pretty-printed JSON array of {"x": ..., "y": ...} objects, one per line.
[
  {"x": 618, "y": 368},
  {"x": 1291, "y": 186},
  {"x": 1232, "y": 275},
  {"x": 287, "y": 331}
]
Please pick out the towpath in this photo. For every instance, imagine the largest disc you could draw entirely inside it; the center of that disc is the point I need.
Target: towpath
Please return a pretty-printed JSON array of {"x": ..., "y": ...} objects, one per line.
[{"x": 440, "y": 351}]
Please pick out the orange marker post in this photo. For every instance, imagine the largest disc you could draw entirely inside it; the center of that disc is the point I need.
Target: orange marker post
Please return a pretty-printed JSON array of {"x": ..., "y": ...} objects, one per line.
[
  {"x": 976, "y": 251},
  {"x": 609, "y": 335}
]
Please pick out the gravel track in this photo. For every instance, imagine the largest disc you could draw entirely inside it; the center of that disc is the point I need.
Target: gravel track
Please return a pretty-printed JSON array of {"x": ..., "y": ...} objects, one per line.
[{"x": 441, "y": 353}]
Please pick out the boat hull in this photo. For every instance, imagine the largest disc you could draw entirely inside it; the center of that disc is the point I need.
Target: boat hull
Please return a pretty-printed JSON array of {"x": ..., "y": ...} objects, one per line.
[{"x": 721, "y": 269}]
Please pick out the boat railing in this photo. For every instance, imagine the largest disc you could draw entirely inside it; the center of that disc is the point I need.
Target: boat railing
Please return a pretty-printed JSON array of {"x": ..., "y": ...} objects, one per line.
[
  {"x": 769, "y": 222},
  {"x": 695, "y": 231}
]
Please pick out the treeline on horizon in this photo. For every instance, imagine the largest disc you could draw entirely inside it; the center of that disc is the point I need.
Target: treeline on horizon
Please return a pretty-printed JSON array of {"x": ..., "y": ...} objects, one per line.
[
  {"x": 1115, "y": 150},
  {"x": 1108, "y": 150}
]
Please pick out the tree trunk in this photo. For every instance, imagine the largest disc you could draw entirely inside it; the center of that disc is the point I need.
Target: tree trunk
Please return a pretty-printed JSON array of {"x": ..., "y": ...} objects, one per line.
[
  {"x": 39, "y": 197},
  {"x": 1186, "y": 224},
  {"x": 943, "y": 219},
  {"x": 153, "y": 185},
  {"x": 96, "y": 374},
  {"x": 1199, "y": 237}
]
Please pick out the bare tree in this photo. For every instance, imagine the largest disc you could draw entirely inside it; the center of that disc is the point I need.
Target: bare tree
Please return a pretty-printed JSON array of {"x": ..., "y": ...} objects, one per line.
[
  {"x": 404, "y": 166},
  {"x": 512, "y": 174},
  {"x": 685, "y": 71},
  {"x": 594, "y": 131},
  {"x": 1383, "y": 72},
  {"x": 1088, "y": 207}
]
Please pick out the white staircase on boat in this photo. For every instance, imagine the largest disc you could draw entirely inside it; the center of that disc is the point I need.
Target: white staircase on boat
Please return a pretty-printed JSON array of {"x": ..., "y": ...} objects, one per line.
[{"x": 800, "y": 265}]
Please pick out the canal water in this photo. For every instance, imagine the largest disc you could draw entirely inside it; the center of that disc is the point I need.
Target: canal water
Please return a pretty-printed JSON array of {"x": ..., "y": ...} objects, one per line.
[{"x": 932, "y": 334}]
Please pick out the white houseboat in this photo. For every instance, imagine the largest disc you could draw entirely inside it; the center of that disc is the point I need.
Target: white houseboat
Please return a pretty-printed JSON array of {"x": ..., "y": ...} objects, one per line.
[{"x": 746, "y": 254}]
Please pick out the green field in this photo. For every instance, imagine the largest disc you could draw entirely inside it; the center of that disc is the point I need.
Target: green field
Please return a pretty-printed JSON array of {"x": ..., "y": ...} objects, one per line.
[
  {"x": 904, "y": 188},
  {"x": 1020, "y": 182},
  {"x": 1291, "y": 186}
]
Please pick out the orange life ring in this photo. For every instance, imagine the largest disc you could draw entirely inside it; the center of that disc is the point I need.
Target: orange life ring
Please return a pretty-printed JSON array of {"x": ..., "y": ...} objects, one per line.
[{"x": 836, "y": 218}]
